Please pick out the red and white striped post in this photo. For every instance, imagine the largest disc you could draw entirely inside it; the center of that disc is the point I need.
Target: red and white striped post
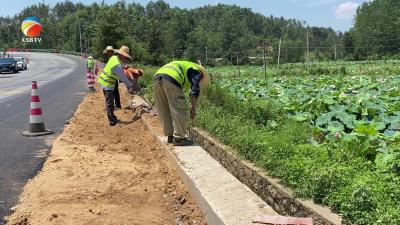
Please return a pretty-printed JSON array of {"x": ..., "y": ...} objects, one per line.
[
  {"x": 93, "y": 76},
  {"x": 90, "y": 80},
  {"x": 36, "y": 123}
]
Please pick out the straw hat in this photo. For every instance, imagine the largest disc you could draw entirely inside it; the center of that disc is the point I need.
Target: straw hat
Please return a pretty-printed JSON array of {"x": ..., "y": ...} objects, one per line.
[
  {"x": 205, "y": 81},
  {"x": 123, "y": 51},
  {"x": 109, "y": 48}
]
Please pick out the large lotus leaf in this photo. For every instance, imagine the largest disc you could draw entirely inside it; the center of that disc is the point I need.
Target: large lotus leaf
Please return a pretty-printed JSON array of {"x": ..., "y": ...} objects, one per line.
[
  {"x": 379, "y": 125},
  {"x": 324, "y": 119},
  {"x": 350, "y": 137},
  {"x": 304, "y": 98},
  {"x": 392, "y": 119},
  {"x": 367, "y": 129},
  {"x": 329, "y": 100},
  {"x": 335, "y": 126},
  {"x": 372, "y": 86},
  {"x": 346, "y": 118},
  {"x": 301, "y": 116},
  {"x": 363, "y": 97},
  {"x": 285, "y": 100},
  {"x": 395, "y": 126},
  {"x": 338, "y": 108}
]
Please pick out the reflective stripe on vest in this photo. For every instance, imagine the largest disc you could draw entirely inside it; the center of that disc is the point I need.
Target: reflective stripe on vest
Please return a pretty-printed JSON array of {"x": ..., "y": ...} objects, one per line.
[
  {"x": 178, "y": 71},
  {"x": 107, "y": 78}
]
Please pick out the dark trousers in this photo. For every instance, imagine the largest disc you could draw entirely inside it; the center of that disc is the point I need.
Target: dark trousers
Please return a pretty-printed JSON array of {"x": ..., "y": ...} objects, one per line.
[
  {"x": 116, "y": 96},
  {"x": 109, "y": 96}
]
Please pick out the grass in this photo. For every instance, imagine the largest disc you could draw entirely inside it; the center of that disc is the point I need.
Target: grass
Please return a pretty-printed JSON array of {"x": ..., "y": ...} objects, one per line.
[{"x": 262, "y": 134}]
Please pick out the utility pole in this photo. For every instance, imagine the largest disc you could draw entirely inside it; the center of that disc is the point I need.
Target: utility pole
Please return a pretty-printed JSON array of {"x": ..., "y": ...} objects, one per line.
[
  {"x": 206, "y": 55},
  {"x": 308, "y": 48},
  {"x": 279, "y": 51},
  {"x": 80, "y": 36},
  {"x": 237, "y": 62},
  {"x": 286, "y": 54},
  {"x": 335, "y": 52},
  {"x": 264, "y": 60}
]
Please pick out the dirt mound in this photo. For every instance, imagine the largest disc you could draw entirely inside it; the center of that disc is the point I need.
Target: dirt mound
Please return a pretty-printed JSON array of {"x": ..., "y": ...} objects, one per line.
[{"x": 97, "y": 174}]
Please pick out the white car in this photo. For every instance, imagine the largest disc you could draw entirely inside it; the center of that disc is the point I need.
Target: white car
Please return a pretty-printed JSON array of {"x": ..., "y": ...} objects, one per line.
[{"x": 21, "y": 63}]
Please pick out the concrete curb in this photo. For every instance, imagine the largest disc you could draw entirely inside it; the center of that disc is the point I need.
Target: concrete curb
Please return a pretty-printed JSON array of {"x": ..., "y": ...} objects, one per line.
[
  {"x": 222, "y": 198},
  {"x": 208, "y": 212},
  {"x": 280, "y": 198}
]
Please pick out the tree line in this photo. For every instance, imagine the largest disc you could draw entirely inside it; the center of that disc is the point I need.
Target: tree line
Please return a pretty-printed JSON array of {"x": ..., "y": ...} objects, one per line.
[
  {"x": 157, "y": 32},
  {"x": 376, "y": 31}
]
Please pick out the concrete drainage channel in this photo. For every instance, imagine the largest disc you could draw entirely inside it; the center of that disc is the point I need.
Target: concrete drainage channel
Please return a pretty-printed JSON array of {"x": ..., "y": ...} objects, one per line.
[
  {"x": 229, "y": 190},
  {"x": 279, "y": 198}
]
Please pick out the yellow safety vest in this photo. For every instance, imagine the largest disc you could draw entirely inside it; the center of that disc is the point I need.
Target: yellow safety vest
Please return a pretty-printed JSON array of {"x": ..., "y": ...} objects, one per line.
[
  {"x": 178, "y": 71},
  {"x": 107, "y": 78},
  {"x": 90, "y": 63}
]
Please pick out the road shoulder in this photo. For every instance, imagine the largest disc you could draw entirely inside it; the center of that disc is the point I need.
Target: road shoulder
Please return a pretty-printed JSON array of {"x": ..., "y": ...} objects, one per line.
[{"x": 98, "y": 174}]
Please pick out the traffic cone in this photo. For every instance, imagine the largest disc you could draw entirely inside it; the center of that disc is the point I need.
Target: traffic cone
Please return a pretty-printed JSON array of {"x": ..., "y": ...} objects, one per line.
[
  {"x": 36, "y": 124},
  {"x": 90, "y": 80}
]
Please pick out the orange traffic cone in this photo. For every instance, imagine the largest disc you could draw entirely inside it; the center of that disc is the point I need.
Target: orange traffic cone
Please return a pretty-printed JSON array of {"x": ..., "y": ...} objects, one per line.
[{"x": 36, "y": 124}]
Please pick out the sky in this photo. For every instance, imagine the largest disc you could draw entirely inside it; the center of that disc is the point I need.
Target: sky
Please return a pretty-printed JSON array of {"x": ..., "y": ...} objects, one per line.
[{"x": 337, "y": 14}]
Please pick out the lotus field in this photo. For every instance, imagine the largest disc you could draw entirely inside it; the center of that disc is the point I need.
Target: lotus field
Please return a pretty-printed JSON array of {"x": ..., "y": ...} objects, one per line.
[
  {"x": 355, "y": 109},
  {"x": 329, "y": 131}
]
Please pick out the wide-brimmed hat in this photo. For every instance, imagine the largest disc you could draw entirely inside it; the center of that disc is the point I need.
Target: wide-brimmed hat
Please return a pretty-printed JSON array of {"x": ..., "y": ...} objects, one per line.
[
  {"x": 205, "y": 80},
  {"x": 123, "y": 51},
  {"x": 109, "y": 48}
]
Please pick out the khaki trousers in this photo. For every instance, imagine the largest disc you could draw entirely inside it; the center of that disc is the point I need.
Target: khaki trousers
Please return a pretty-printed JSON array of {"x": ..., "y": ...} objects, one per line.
[{"x": 172, "y": 108}]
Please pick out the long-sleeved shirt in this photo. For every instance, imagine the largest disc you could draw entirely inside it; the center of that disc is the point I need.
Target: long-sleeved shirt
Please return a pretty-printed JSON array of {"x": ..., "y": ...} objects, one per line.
[
  {"x": 194, "y": 78},
  {"x": 119, "y": 71}
]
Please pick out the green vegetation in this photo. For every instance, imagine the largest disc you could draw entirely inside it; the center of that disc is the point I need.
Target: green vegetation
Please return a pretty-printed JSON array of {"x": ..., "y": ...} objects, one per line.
[
  {"x": 330, "y": 131},
  {"x": 332, "y": 138},
  {"x": 156, "y": 33},
  {"x": 376, "y": 31}
]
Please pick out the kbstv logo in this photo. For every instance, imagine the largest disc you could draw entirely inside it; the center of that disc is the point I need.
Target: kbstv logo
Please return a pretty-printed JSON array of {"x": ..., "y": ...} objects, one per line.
[{"x": 31, "y": 28}]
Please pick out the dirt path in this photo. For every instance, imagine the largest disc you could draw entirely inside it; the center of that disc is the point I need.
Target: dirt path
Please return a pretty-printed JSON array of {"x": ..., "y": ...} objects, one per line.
[{"x": 98, "y": 174}]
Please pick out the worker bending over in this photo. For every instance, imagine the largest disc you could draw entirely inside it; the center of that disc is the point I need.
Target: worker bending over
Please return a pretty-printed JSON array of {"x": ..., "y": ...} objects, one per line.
[
  {"x": 108, "y": 79},
  {"x": 170, "y": 82}
]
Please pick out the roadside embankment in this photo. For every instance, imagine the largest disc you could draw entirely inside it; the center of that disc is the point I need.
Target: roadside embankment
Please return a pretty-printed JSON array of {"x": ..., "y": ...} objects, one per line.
[{"x": 97, "y": 174}]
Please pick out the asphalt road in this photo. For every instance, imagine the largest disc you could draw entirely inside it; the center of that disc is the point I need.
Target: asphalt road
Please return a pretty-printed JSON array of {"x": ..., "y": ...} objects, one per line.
[{"x": 61, "y": 81}]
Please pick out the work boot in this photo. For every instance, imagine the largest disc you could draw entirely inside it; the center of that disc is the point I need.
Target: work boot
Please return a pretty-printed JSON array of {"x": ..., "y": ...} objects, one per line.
[
  {"x": 170, "y": 139},
  {"x": 182, "y": 142},
  {"x": 115, "y": 123}
]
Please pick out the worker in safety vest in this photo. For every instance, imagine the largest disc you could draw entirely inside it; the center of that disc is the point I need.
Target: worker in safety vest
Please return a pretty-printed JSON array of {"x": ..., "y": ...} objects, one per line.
[
  {"x": 90, "y": 64},
  {"x": 90, "y": 73},
  {"x": 112, "y": 72},
  {"x": 170, "y": 82},
  {"x": 109, "y": 52}
]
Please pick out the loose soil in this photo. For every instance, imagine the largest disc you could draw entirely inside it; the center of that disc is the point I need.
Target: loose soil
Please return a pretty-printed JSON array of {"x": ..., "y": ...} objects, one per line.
[{"x": 97, "y": 174}]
